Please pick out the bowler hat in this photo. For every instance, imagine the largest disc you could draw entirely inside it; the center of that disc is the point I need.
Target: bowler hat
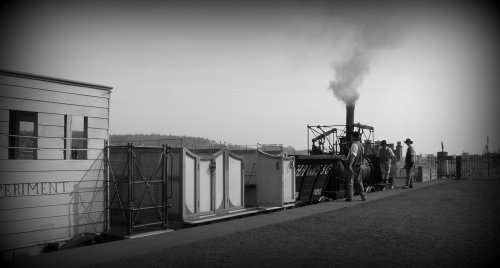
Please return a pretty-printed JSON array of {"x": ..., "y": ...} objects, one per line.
[
  {"x": 408, "y": 141},
  {"x": 383, "y": 142}
]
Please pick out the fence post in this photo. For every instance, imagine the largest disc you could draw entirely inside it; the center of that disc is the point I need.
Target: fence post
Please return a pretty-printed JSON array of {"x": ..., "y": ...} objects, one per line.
[
  {"x": 459, "y": 168},
  {"x": 130, "y": 186},
  {"x": 488, "y": 159},
  {"x": 420, "y": 174},
  {"x": 164, "y": 156}
]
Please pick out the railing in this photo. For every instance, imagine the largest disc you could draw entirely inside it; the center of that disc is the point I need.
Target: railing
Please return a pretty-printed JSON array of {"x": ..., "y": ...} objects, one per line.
[
  {"x": 181, "y": 142},
  {"x": 173, "y": 142},
  {"x": 485, "y": 166},
  {"x": 30, "y": 147},
  {"x": 332, "y": 139}
]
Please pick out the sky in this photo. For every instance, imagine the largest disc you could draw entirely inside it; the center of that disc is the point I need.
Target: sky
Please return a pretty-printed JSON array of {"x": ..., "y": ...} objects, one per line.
[{"x": 248, "y": 72}]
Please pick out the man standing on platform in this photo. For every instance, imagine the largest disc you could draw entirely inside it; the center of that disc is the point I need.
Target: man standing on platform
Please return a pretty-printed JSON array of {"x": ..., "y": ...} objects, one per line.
[
  {"x": 409, "y": 162},
  {"x": 354, "y": 160},
  {"x": 385, "y": 155}
]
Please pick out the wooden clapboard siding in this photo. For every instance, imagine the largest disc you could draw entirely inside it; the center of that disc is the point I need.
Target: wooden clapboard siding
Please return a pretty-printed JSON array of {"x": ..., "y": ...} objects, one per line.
[
  {"x": 96, "y": 143},
  {"x": 80, "y": 192},
  {"x": 26, "y": 93},
  {"x": 48, "y": 107},
  {"x": 82, "y": 89},
  {"x": 57, "y": 154},
  {"x": 50, "y": 165},
  {"x": 50, "y": 131},
  {"x": 4, "y": 140},
  {"x": 97, "y": 133},
  {"x": 15, "y": 185},
  {"x": 51, "y": 119},
  {"x": 10, "y": 177},
  {"x": 4, "y": 114},
  {"x": 4, "y": 127},
  {"x": 70, "y": 210},
  {"x": 51, "y": 143},
  {"x": 32, "y": 238},
  {"x": 52, "y": 154},
  {"x": 99, "y": 123},
  {"x": 23, "y": 226},
  {"x": 95, "y": 154},
  {"x": 52, "y": 200}
]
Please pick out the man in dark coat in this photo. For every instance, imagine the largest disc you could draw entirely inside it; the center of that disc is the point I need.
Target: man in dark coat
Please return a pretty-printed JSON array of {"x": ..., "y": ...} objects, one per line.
[{"x": 409, "y": 163}]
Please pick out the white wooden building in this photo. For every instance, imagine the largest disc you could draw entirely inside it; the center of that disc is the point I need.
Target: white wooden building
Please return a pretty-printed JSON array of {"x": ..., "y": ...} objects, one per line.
[{"x": 53, "y": 133}]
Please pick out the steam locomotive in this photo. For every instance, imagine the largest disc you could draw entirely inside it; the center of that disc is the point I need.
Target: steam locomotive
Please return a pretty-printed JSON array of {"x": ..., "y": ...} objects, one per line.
[{"x": 321, "y": 175}]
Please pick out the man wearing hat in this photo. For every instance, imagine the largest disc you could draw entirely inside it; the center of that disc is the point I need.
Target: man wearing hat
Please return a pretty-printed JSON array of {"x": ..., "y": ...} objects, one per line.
[
  {"x": 385, "y": 155},
  {"x": 409, "y": 162},
  {"x": 354, "y": 160}
]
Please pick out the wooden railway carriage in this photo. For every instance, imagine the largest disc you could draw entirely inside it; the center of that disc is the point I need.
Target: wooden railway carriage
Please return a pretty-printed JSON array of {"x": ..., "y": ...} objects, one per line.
[{"x": 52, "y": 138}]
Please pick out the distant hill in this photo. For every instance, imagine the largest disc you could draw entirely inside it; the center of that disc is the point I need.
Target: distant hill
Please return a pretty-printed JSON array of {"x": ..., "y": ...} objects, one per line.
[
  {"x": 157, "y": 139},
  {"x": 186, "y": 141}
]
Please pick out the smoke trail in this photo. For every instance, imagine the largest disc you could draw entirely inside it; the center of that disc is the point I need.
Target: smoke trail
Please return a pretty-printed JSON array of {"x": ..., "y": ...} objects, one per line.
[
  {"x": 349, "y": 74},
  {"x": 372, "y": 32}
]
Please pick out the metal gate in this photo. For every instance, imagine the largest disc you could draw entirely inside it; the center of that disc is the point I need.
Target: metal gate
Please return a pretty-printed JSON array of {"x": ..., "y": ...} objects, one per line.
[{"x": 136, "y": 187}]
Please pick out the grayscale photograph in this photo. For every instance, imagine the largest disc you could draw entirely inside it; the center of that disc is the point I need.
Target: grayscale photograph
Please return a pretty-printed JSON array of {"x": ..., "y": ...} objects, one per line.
[{"x": 276, "y": 133}]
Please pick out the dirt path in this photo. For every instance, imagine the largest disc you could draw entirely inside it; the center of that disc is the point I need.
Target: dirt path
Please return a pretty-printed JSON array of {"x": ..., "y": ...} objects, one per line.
[{"x": 452, "y": 224}]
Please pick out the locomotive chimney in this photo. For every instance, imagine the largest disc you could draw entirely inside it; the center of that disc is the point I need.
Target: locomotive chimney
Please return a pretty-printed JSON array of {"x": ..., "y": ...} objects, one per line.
[{"x": 349, "y": 120}]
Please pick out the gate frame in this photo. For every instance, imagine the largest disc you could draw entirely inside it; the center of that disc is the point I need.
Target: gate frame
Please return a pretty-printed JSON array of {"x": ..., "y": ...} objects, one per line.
[{"x": 131, "y": 164}]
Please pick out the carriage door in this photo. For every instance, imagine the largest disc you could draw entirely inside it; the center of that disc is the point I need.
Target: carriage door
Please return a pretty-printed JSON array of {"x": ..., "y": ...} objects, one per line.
[{"x": 207, "y": 170}]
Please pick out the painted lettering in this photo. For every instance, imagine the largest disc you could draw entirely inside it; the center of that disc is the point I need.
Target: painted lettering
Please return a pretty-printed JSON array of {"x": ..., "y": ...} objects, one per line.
[
  {"x": 314, "y": 171},
  {"x": 326, "y": 168},
  {"x": 30, "y": 189},
  {"x": 7, "y": 189},
  {"x": 317, "y": 191},
  {"x": 16, "y": 189},
  {"x": 53, "y": 186},
  {"x": 44, "y": 188},
  {"x": 301, "y": 169}
]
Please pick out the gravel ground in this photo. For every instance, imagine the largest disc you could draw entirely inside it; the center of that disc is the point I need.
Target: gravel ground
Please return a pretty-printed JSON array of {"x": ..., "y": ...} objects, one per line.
[{"x": 451, "y": 224}]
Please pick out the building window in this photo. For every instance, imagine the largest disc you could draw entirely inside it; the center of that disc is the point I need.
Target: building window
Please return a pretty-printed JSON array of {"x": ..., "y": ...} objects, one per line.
[
  {"x": 76, "y": 136},
  {"x": 23, "y": 135}
]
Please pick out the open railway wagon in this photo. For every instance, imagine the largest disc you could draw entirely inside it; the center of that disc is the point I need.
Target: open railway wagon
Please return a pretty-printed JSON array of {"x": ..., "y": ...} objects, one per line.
[
  {"x": 269, "y": 177},
  {"x": 204, "y": 187}
]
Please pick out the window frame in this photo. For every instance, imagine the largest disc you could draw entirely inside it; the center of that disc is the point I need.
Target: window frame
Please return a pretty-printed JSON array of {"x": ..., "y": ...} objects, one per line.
[
  {"x": 69, "y": 152},
  {"x": 15, "y": 137}
]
